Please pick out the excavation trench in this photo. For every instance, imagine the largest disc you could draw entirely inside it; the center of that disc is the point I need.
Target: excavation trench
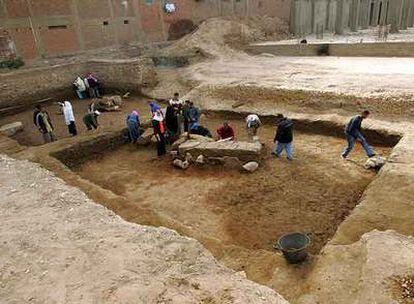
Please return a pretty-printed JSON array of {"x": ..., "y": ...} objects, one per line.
[{"x": 250, "y": 212}]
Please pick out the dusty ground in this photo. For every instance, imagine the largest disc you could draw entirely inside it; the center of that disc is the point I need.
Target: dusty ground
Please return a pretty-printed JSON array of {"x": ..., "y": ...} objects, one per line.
[
  {"x": 108, "y": 120},
  {"x": 342, "y": 75},
  {"x": 58, "y": 246},
  {"x": 251, "y": 211}
]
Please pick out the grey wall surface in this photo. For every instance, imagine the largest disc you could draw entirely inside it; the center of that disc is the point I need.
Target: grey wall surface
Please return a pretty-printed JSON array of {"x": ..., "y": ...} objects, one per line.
[{"x": 316, "y": 16}]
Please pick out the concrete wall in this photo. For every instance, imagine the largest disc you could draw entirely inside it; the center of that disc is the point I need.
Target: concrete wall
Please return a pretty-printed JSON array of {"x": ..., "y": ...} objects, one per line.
[
  {"x": 45, "y": 28},
  {"x": 379, "y": 49},
  {"x": 307, "y": 16},
  {"x": 24, "y": 87}
]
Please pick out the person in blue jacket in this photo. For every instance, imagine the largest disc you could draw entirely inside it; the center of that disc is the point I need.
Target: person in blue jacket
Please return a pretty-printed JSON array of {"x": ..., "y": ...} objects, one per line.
[{"x": 353, "y": 134}]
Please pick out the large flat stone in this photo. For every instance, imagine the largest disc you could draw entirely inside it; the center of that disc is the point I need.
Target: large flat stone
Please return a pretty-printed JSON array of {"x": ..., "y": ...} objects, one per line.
[{"x": 245, "y": 151}]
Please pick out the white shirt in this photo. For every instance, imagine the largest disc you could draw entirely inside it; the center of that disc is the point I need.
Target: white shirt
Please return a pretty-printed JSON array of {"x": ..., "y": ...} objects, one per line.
[
  {"x": 251, "y": 118},
  {"x": 176, "y": 102}
]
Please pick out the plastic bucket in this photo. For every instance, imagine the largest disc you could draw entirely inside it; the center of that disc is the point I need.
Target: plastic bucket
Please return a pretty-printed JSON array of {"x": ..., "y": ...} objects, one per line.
[{"x": 293, "y": 246}]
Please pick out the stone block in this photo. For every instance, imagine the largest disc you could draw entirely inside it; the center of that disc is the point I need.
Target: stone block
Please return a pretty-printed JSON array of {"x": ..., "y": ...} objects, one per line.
[
  {"x": 244, "y": 151},
  {"x": 11, "y": 128}
]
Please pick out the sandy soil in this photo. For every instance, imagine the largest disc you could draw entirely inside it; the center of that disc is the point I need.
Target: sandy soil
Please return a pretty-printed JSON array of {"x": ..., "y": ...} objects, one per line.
[
  {"x": 58, "y": 246},
  {"x": 251, "y": 211},
  {"x": 341, "y": 75}
]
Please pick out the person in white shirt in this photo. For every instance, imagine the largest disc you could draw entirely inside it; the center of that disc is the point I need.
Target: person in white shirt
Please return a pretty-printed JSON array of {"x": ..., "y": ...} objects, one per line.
[
  {"x": 252, "y": 125},
  {"x": 176, "y": 102}
]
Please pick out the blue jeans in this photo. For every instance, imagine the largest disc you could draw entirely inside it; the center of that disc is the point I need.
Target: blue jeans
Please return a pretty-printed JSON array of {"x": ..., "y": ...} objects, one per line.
[
  {"x": 351, "y": 144},
  {"x": 284, "y": 146}
]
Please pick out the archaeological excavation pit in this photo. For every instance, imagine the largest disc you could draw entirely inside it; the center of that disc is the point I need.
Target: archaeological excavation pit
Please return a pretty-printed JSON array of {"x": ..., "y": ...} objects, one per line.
[{"x": 225, "y": 208}]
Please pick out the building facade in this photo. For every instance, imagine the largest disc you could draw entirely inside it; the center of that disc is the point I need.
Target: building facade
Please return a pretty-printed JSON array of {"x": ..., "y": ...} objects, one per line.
[{"x": 45, "y": 28}]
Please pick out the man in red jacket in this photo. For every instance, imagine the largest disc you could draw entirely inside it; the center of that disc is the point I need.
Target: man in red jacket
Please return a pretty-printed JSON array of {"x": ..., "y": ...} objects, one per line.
[{"x": 225, "y": 131}]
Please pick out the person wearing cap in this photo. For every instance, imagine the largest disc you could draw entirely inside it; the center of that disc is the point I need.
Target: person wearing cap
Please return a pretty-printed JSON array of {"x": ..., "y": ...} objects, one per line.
[
  {"x": 353, "y": 134},
  {"x": 91, "y": 120},
  {"x": 252, "y": 125},
  {"x": 284, "y": 137}
]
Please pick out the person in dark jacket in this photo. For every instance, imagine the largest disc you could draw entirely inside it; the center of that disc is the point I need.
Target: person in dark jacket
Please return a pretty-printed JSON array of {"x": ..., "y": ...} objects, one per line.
[
  {"x": 35, "y": 112},
  {"x": 200, "y": 130},
  {"x": 186, "y": 115},
  {"x": 353, "y": 134},
  {"x": 44, "y": 124},
  {"x": 284, "y": 137},
  {"x": 172, "y": 122},
  {"x": 159, "y": 132}
]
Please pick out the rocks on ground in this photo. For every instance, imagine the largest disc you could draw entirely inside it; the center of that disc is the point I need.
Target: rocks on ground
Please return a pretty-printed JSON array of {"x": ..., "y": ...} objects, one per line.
[
  {"x": 108, "y": 103},
  {"x": 11, "y": 128}
]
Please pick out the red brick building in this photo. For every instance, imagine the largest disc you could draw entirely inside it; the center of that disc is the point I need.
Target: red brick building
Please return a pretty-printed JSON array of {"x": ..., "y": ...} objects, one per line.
[{"x": 45, "y": 28}]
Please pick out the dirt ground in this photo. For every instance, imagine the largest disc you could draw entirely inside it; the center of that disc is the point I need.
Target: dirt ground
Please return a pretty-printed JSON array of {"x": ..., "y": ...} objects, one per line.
[
  {"x": 249, "y": 210},
  {"x": 30, "y": 136},
  {"x": 358, "y": 76}
]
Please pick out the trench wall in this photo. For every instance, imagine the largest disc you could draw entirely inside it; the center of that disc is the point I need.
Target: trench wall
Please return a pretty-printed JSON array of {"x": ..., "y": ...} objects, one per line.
[
  {"x": 25, "y": 87},
  {"x": 381, "y": 137}
]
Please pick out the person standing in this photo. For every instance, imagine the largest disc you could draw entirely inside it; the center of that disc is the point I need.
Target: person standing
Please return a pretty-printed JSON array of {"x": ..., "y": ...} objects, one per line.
[
  {"x": 172, "y": 122},
  {"x": 44, "y": 124},
  {"x": 80, "y": 88},
  {"x": 69, "y": 117},
  {"x": 252, "y": 125},
  {"x": 186, "y": 116},
  {"x": 159, "y": 132},
  {"x": 225, "y": 132},
  {"x": 176, "y": 102},
  {"x": 93, "y": 84},
  {"x": 353, "y": 134},
  {"x": 193, "y": 116},
  {"x": 91, "y": 120},
  {"x": 284, "y": 137},
  {"x": 133, "y": 126}
]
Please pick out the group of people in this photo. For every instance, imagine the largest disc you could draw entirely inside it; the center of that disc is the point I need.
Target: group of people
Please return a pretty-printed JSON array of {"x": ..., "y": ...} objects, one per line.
[
  {"x": 182, "y": 116},
  {"x": 42, "y": 120},
  {"x": 87, "y": 87}
]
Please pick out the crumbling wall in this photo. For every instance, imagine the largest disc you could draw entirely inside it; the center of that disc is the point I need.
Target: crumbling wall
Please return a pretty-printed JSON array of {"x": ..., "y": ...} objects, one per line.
[{"x": 25, "y": 87}]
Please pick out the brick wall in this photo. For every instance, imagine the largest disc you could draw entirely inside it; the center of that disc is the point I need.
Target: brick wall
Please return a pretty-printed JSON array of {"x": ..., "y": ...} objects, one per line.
[{"x": 43, "y": 28}]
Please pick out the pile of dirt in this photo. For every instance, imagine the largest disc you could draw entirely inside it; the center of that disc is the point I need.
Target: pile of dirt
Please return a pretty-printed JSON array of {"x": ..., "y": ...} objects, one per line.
[{"x": 217, "y": 37}]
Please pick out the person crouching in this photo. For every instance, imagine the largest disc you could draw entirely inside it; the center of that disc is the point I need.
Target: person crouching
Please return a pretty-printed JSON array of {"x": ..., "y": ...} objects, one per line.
[{"x": 91, "y": 120}]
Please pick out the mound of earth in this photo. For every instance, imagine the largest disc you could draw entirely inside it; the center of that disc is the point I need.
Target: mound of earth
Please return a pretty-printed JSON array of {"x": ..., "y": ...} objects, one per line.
[
  {"x": 217, "y": 37},
  {"x": 376, "y": 269},
  {"x": 60, "y": 247}
]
